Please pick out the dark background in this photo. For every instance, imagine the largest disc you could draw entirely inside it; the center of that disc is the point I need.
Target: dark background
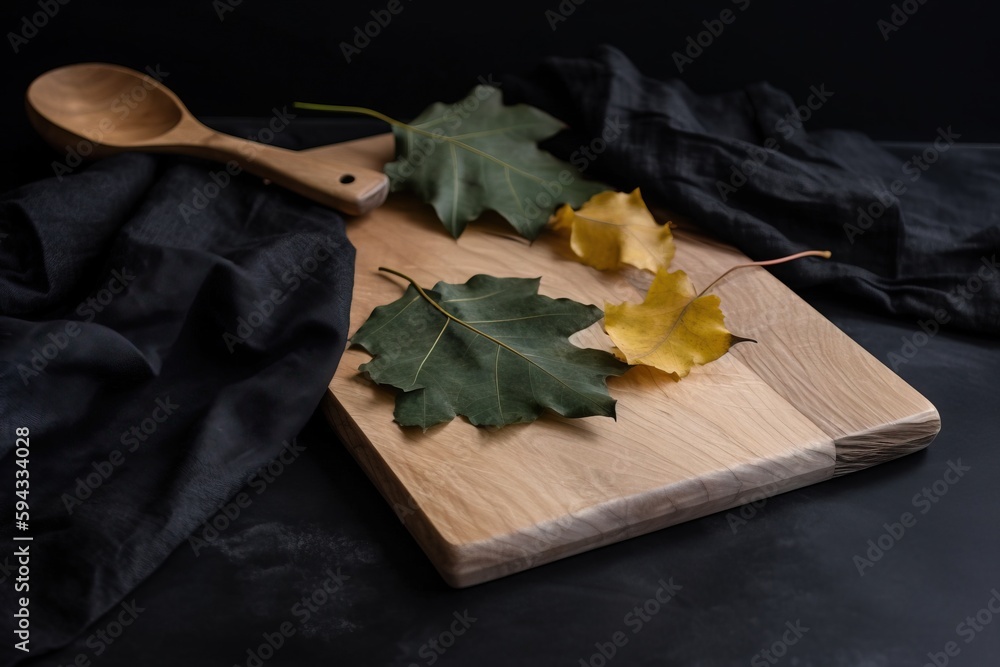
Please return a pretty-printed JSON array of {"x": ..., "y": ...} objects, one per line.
[
  {"x": 792, "y": 561},
  {"x": 938, "y": 69}
]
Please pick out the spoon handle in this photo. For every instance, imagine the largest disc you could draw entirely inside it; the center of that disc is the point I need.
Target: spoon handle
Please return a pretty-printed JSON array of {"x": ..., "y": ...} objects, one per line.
[{"x": 348, "y": 188}]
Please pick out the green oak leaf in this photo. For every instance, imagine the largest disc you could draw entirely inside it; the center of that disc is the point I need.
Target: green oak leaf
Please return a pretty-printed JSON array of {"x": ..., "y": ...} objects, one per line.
[
  {"x": 477, "y": 155},
  {"x": 493, "y": 350}
]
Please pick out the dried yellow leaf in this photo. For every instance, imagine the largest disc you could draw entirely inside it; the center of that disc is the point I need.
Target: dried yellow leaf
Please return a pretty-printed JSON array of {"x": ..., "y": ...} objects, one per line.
[
  {"x": 673, "y": 329},
  {"x": 615, "y": 228}
]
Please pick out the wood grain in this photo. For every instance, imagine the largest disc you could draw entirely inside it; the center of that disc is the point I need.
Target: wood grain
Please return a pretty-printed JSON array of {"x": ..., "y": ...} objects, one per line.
[
  {"x": 105, "y": 109},
  {"x": 802, "y": 405}
]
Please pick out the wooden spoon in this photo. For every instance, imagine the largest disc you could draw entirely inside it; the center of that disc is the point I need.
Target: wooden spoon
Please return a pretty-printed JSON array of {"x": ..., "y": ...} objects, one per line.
[{"x": 102, "y": 109}]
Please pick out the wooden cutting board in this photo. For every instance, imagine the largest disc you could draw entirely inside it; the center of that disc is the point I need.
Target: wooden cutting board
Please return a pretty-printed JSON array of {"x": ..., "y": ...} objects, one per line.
[{"x": 802, "y": 405}]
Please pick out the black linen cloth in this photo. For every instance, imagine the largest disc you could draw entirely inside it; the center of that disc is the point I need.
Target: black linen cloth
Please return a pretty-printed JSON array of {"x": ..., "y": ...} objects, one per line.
[
  {"x": 160, "y": 356},
  {"x": 164, "y": 335},
  {"x": 915, "y": 235}
]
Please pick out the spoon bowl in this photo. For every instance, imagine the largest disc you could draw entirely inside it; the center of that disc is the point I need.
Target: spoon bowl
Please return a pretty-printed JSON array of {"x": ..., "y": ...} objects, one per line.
[
  {"x": 123, "y": 106},
  {"x": 100, "y": 109}
]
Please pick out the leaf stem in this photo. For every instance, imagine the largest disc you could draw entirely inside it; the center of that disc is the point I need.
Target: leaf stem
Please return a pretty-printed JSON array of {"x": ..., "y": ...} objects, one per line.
[
  {"x": 437, "y": 136},
  {"x": 427, "y": 297},
  {"x": 348, "y": 109},
  {"x": 768, "y": 262}
]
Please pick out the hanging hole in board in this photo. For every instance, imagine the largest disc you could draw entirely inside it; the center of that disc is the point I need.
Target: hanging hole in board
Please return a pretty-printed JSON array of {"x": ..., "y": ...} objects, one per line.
[{"x": 347, "y": 178}]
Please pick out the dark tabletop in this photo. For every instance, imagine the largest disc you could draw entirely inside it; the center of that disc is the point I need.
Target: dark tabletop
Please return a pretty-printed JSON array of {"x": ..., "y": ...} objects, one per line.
[
  {"x": 784, "y": 576},
  {"x": 317, "y": 564},
  {"x": 320, "y": 566}
]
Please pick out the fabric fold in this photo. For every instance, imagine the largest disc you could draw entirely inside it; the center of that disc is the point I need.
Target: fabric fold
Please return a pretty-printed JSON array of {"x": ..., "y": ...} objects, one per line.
[
  {"x": 160, "y": 356},
  {"x": 914, "y": 230}
]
